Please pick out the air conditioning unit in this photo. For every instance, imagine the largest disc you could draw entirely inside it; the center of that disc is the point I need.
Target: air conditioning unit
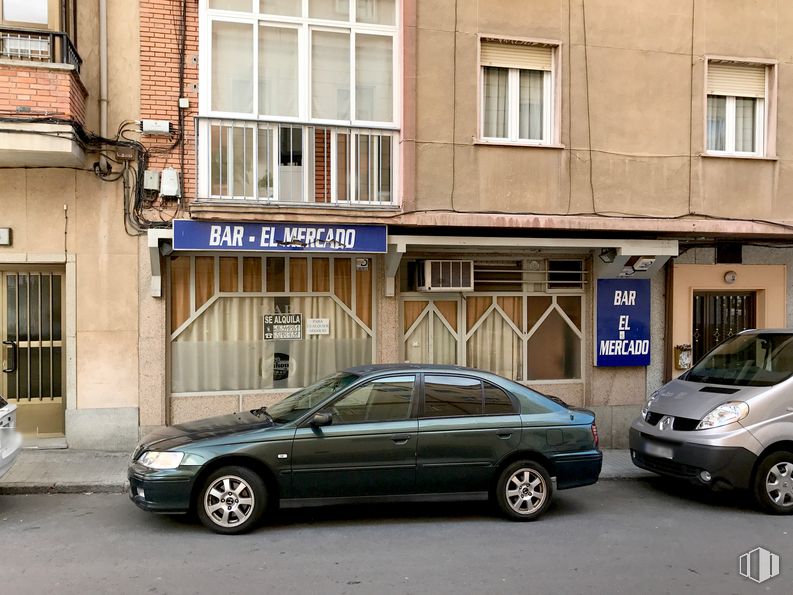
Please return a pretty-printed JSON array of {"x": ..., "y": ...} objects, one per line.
[{"x": 445, "y": 275}]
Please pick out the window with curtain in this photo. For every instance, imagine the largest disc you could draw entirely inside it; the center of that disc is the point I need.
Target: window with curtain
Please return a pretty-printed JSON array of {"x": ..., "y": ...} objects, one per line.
[
  {"x": 517, "y": 100},
  {"x": 736, "y": 108},
  {"x": 318, "y": 75},
  {"x": 217, "y": 307}
]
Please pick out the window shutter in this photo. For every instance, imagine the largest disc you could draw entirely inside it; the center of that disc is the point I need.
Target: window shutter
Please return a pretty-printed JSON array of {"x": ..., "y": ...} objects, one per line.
[
  {"x": 740, "y": 80},
  {"x": 513, "y": 55}
]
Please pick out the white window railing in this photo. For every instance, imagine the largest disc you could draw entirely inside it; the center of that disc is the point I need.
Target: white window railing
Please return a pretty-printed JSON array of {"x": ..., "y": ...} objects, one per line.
[{"x": 271, "y": 162}]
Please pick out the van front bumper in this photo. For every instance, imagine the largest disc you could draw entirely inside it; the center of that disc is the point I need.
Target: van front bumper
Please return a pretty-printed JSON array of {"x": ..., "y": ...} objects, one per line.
[{"x": 728, "y": 466}]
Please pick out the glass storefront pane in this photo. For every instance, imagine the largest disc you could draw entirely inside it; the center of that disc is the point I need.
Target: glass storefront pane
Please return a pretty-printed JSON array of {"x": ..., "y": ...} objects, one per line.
[
  {"x": 229, "y": 274},
  {"x": 536, "y": 306},
  {"x": 342, "y": 280},
  {"x": 276, "y": 277},
  {"x": 554, "y": 351},
  {"x": 374, "y": 85},
  {"x": 444, "y": 345},
  {"x": 571, "y": 305},
  {"x": 278, "y": 71},
  {"x": 330, "y": 75},
  {"x": 494, "y": 346},
  {"x": 224, "y": 349},
  {"x": 180, "y": 291},
  {"x": 298, "y": 275},
  {"x": 204, "y": 279},
  {"x": 251, "y": 274},
  {"x": 232, "y": 67}
]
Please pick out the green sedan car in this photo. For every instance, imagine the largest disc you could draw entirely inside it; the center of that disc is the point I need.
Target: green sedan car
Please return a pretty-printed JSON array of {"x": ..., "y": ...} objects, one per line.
[{"x": 381, "y": 433}]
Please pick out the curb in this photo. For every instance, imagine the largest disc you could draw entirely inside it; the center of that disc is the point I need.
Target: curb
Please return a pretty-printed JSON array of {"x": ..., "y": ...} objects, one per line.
[{"x": 26, "y": 488}]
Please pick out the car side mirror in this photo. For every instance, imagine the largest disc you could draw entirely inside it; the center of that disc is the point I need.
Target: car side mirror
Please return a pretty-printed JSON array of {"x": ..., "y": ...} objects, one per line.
[{"x": 321, "y": 419}]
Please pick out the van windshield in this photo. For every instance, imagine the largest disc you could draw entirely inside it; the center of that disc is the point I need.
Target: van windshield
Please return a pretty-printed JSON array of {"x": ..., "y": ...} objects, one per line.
[{"x": 762, "y": 359}]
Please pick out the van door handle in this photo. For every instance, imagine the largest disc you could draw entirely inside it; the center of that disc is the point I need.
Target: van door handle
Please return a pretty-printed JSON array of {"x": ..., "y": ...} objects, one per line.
[
  {"x": 13, "y": 367},
  {"x": 400, "y": 438},
  {"x": 504, "y": 435}
]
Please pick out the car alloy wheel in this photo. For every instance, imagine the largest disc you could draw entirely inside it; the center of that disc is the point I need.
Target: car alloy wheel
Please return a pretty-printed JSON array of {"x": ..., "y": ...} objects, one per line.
[
  {"x": 773, "y": 483},
  {"x": 232, "y": 500},
  {"x": 779, "y": 484},
  {"x": 524, "y": 490}
]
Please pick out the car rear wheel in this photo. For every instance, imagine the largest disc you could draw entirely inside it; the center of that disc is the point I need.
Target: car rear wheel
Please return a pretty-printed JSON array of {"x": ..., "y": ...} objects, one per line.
[
  {"x": 232, "y": 500},
  {"x": 524, "y": 491},
  {"x": 773, "y": 483}
]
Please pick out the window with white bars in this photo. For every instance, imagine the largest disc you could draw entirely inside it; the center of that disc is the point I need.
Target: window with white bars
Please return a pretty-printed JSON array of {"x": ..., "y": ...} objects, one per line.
[
  {"x": 299, "y": 101},
  {"x": 517, "y": 101},
  {"x": 737, "y": 107}
]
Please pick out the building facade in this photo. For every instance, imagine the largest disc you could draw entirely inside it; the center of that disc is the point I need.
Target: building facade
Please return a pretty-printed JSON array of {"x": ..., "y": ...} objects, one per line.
[{"x": 581, "y": 195}]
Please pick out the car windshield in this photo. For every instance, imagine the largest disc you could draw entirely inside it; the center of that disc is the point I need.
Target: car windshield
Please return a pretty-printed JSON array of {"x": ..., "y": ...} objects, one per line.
[
  {"x": 762, "y": 359},
  {"x": 304, "y": 400}
]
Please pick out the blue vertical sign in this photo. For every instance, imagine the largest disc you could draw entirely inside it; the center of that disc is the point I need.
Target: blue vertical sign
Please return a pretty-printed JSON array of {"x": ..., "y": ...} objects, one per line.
[{"x": 623, "y": 322}]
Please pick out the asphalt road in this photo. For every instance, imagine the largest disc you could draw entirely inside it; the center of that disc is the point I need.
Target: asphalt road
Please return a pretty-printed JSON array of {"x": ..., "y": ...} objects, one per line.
[{"x": 616, "y": 537}]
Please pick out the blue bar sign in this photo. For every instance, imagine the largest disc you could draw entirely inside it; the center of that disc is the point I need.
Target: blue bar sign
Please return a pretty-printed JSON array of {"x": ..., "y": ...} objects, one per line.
[
  {"x": 278, "y": 237},
  {"x": 623, "y": 322}
]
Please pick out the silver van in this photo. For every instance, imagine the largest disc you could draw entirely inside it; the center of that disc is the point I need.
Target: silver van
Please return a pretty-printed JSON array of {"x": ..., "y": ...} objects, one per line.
[{"x": 728, "y": 421}]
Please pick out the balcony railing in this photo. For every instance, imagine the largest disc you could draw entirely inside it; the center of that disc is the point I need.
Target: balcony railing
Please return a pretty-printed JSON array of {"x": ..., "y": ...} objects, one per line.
[
  {"x": 269, "y": 162},
  {"x": 38, "y": 46}
]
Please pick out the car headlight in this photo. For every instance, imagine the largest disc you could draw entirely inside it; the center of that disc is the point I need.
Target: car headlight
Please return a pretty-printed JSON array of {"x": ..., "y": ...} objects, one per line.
[
  {"x": 161, "y": 460},
  {"x": 724, "y": 414}
]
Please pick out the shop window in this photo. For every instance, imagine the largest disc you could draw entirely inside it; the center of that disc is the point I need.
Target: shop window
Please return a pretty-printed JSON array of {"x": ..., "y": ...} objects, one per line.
[{"x": 218, "y": 338}]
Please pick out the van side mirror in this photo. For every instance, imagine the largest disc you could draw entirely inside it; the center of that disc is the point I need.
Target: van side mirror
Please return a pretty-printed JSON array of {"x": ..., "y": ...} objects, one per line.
[{"x": 321, "y": 419}]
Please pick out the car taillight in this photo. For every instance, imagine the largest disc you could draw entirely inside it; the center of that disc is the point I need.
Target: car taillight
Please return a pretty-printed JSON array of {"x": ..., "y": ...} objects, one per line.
[{"x": 595, "y": 436}]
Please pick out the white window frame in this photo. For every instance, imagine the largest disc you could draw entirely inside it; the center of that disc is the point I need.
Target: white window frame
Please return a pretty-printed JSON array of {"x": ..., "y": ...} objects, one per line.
[
  {"x": 762, "y": 116},
  {"x": 305, "y": 26},
  {"x": 550, "y": 99}
]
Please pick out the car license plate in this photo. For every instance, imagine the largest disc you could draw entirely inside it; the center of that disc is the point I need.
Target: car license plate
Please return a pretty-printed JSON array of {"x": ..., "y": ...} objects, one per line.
[{"x": 656, "y": 450}]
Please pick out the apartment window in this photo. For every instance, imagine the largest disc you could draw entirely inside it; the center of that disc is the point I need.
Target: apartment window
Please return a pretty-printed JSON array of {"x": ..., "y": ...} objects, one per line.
[
  {"x": 25, "y": 11},
  {"x": 517, "y": 103},
  {"x": 300, "y": 100},
  {"x": 736, "y": 108}
]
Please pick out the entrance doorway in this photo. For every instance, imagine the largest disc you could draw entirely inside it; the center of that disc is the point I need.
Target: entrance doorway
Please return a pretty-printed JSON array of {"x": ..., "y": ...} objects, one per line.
[
  {"x": 33, "y": 356},
  {"x": 719, "y": 316}
]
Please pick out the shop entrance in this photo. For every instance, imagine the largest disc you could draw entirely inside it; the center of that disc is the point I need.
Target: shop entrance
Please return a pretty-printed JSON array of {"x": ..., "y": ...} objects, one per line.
[
  {"x": 31, "y": 306},
  {"x": 719, "y": 316}
]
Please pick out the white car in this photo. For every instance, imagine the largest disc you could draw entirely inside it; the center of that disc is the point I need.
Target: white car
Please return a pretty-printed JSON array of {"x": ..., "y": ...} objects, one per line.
[{"x": 10, "y": 439}]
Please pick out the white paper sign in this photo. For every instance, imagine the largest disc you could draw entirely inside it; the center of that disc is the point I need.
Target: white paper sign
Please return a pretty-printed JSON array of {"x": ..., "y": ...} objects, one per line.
[{"x": 318, "y": 326}]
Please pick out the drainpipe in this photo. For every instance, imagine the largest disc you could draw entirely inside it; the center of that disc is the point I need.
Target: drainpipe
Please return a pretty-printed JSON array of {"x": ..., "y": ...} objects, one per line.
[{"x": 103, "y": 76}]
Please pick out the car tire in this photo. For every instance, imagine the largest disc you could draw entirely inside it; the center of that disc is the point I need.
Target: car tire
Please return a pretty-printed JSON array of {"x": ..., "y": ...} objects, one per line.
[
  {"x": 231, "y": 500},
  {"x": 773, "y": 483},
  {"x": 524, "y": 491}
]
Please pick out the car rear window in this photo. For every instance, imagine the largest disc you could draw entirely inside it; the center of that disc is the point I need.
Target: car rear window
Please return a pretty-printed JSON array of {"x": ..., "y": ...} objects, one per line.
[{"x": 3, "y": 402}]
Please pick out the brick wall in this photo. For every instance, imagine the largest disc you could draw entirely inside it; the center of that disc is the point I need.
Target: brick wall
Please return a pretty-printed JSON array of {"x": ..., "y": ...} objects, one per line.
[
  {"x": 159, "y": 65},
  {"x": 45, "y": 91}
]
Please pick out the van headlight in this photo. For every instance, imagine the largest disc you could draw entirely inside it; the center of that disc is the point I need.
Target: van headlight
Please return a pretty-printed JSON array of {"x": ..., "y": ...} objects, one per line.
[
  {"x": 161, "y": 460},
  {"x": 724, "y": 414},
  {"x": 650, "y": 401}
]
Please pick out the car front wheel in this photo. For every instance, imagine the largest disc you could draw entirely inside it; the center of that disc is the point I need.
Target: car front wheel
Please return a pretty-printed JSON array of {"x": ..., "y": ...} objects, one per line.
[
  {"x": 773, "y": 483},
  {"x": 524, "y": 491},
  {"x": 232, "y": 500}
]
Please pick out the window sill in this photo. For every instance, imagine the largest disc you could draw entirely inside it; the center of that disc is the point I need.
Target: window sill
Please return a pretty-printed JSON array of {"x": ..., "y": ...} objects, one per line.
[
  {"x": 506, "y": 143},
  {"x": 739, "y": 156}
]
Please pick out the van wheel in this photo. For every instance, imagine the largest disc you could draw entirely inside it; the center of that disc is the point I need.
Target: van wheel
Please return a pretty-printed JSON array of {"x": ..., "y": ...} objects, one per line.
[
  {"x": 773, "y": 483},
  {"x": 232, "y": 500},
  {"x": 524, "y": 491}
]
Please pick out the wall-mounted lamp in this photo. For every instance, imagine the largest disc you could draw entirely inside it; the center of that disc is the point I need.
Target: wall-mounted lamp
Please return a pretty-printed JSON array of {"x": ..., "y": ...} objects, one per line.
[{"x": 608, "y": 255}]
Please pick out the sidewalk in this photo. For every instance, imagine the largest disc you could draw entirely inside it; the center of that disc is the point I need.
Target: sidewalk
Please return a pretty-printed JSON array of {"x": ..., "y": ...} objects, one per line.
[{"x": 67, "y": 471}]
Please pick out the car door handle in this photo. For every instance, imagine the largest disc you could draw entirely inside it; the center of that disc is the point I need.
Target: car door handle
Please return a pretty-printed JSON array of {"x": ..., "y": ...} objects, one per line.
[
  {"x": 504, "y": 435},
  {"x": 400, "y": 438}
]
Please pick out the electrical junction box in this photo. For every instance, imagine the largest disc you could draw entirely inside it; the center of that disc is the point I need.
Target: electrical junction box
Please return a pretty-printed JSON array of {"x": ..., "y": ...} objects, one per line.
[
  {"x": 151, "y": 180},
  {"x": 169, "y": 182},
  {"x": 155, "y": 127}
]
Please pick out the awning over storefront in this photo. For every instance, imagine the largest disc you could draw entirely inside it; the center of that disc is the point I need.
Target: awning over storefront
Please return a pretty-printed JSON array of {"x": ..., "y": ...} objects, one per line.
[{"x": 613, "y": 258}]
